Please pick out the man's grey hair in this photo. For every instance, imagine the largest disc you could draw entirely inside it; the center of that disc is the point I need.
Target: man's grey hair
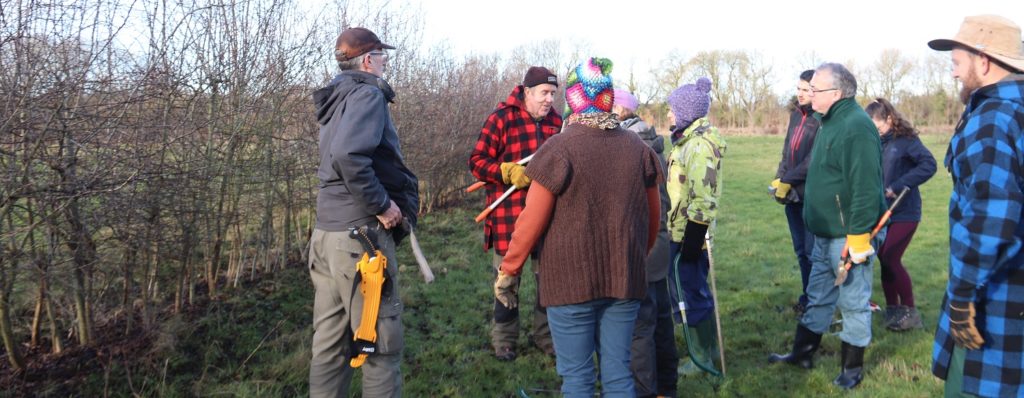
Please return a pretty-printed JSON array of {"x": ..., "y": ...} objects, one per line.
[
  {"x": 352, "y": 64},
  {"x": 842, "y": 79}
]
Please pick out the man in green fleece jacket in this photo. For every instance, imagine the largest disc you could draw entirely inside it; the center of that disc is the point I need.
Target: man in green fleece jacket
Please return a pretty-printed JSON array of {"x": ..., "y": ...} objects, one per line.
[{"x": 843, "y": 200}]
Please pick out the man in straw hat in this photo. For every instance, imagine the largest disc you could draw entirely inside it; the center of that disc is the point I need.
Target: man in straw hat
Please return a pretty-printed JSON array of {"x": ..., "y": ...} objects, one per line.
[
  {"x": 364, "y": 184},
  {"x": 980, "y": 337}
]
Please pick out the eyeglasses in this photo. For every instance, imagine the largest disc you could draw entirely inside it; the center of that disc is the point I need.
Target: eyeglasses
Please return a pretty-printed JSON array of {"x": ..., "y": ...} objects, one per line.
[
  {"x": 815, "y": 91},
  {"x": 378, "y": 53}
]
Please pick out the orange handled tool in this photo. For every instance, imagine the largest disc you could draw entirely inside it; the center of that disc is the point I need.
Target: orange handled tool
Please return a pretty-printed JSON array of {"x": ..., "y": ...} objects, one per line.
[
  {"x": 494, "y": 205},
  {"x": 844, "y": 260}
]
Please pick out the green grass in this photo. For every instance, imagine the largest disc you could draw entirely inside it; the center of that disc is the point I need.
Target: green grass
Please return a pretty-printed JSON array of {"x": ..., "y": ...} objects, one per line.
[{"x": 447, "y": 323}]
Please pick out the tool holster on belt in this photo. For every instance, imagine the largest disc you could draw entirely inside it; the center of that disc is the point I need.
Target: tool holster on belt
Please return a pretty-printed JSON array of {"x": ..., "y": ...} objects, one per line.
[{"x": 372, "y": 272}]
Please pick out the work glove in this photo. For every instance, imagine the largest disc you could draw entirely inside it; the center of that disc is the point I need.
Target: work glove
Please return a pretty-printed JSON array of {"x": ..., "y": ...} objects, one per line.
[
  {"x": 860, "y": 247},
  {"x": 514, "y": 174},
  {"x": 781, "y": 191},
  {"x": 961, "y": 325},
  {"x": 693, "y": 241},
  {"x": 506, "y": 289},
  {"x": 774, "y": 187}
]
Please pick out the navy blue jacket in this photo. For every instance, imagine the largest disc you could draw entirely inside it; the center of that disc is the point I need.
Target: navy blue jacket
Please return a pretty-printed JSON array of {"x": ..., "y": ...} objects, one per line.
[{"x": 906, "y": 163}]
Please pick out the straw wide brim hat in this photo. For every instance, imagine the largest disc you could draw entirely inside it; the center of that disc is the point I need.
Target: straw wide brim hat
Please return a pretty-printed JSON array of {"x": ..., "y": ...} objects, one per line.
[{"x": 992, "y": 35}]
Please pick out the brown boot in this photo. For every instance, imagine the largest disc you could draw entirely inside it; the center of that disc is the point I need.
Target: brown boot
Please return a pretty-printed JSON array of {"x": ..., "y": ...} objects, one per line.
[{"x": 505, "y": 353}]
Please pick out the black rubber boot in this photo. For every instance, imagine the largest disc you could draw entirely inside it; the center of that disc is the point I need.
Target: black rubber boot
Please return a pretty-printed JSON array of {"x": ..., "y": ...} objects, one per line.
[
  {"x": 805, "y": 344},
  {"x": 853, "y": 367}
]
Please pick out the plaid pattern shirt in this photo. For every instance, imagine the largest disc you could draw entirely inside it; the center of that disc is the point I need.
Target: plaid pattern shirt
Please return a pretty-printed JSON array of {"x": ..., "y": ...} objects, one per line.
[
  {"x": 986, "y": 263},
  {"x": 509, "y": 134}
]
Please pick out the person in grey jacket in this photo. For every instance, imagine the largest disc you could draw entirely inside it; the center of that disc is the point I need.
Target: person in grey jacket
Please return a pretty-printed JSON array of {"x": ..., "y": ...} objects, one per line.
[
  {"x": 654, "y": 355},
  {"x": 364, "y": 183}
]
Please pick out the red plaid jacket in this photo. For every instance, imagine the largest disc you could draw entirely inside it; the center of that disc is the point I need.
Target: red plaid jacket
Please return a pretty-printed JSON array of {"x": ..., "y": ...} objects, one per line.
[{"x": 509, "y": 134}]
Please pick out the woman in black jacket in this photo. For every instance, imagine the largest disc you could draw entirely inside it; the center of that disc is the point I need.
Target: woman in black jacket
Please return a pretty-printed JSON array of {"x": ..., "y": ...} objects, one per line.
[{"x": 906, "y": 163}]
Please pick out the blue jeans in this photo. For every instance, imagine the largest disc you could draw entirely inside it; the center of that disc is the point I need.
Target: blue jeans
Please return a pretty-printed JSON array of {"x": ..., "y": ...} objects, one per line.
[
  {"x": 604, "y": 326},
  {"x": 851, "y": 297},
  {"x": 803, "y": 244}
]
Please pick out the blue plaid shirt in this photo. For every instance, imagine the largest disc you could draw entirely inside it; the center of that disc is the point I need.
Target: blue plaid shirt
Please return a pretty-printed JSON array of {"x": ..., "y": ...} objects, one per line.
[{"x": 986, "y": 262}]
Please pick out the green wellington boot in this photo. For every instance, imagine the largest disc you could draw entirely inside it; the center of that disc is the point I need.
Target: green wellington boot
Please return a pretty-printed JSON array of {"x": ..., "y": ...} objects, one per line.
[{"x": 702, "y": 344}]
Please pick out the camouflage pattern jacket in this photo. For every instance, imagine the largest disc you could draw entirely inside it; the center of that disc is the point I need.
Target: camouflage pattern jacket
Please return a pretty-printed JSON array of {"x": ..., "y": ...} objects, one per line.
[{"x": 694, "y": 167}]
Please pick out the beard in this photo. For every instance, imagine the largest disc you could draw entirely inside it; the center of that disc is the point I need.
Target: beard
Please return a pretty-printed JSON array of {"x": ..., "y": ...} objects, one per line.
[{"x": 968, "y": 84}]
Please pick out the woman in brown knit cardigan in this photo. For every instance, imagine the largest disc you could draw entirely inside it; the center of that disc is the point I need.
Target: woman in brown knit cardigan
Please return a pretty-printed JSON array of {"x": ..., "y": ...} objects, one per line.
[{"x": 591, "y": 215}]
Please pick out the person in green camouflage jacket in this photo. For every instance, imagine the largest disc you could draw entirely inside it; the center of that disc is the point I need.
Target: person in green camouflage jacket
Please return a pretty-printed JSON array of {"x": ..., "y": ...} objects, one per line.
[{"x": 694, "y": 186}]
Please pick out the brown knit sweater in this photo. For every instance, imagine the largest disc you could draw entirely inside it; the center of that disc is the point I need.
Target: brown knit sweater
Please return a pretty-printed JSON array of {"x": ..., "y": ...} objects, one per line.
[{"x": 596, "y": 241}]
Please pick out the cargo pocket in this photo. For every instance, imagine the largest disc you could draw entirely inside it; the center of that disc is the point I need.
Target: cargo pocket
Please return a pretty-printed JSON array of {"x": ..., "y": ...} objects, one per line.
[{"x": 389, "y": 326}]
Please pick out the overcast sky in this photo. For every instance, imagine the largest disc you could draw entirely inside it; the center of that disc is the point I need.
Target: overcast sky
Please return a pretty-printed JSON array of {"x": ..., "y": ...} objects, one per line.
[{"x": 639, "y": 33}]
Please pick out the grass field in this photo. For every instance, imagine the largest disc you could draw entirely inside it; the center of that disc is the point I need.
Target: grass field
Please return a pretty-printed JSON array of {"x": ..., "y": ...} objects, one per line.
[
  {"x": 257, "y": 344},
  {"x": 758, "y": 281}
]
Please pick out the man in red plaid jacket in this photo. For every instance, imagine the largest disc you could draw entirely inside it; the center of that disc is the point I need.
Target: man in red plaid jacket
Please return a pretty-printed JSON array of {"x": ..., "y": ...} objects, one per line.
[{"x": 514, "y": 131}]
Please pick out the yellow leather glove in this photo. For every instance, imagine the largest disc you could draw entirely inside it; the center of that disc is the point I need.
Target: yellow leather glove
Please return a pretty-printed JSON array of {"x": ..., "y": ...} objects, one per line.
[
  {"x": 514, "y": 174},
  {"x": 782, "y": 190},
  {"x": 860, "y": 247},
  {"x": 506, "y": 289}
]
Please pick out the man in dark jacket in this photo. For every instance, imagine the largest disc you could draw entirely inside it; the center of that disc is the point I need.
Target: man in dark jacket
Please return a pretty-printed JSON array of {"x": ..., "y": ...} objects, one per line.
[
  {"x": 790, "y": 177},
  {"x": 978, "y": 345},
  {"x": 364, "y": 183},
  {"x": 842, "y": 204},
  {"x": 515, "y": 130}
]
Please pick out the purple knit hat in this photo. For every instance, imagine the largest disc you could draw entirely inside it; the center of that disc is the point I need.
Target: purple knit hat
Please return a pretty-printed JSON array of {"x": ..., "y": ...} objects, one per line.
[
  {"x": 626, "y": 100},
  {"x": 690, "y": 102},
  {"x": 589, "y": 87}
]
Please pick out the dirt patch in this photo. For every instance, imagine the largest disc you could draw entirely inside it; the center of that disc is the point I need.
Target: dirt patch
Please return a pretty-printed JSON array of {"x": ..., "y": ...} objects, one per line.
[{"x": 59, "y": 374}]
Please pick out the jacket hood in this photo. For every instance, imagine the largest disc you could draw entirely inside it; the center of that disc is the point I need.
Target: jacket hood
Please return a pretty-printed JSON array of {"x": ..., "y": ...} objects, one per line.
[
  {"x": 1009, "y": 89},
  {"x": 701, "y": 127},
  {"x": 646, "y": 133},
  {"x": 328, "y": 98},
  {"x": 515, "y": 99}
]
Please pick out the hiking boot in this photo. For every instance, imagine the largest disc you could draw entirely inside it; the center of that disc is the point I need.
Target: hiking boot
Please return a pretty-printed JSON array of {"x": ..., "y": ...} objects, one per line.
[
  {"x": 892, "y": 313},
  {"x": 505, "y": 353},
  {"x": 547, "y": 348},
  {"x": 908, "y": 319}
]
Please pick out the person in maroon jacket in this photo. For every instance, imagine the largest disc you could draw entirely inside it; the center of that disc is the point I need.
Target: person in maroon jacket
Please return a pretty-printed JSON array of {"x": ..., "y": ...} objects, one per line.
[
  {"x": 515, "y": 130},
  {"x": 789, "y": 180}
]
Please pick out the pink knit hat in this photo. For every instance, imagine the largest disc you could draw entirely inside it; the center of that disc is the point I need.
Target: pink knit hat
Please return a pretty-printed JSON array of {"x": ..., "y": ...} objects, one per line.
[
  {"x": 589, "y": 87},
  {"x": 626, "y": 100}
]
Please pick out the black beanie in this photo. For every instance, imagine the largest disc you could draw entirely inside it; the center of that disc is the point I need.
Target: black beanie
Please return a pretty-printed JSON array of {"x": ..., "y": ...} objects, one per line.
[{"x": 539, "y": 75}]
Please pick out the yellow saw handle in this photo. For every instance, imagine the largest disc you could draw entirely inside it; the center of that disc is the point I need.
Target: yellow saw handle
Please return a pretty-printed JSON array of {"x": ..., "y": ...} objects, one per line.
[{"x": 371, "y": 270}]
